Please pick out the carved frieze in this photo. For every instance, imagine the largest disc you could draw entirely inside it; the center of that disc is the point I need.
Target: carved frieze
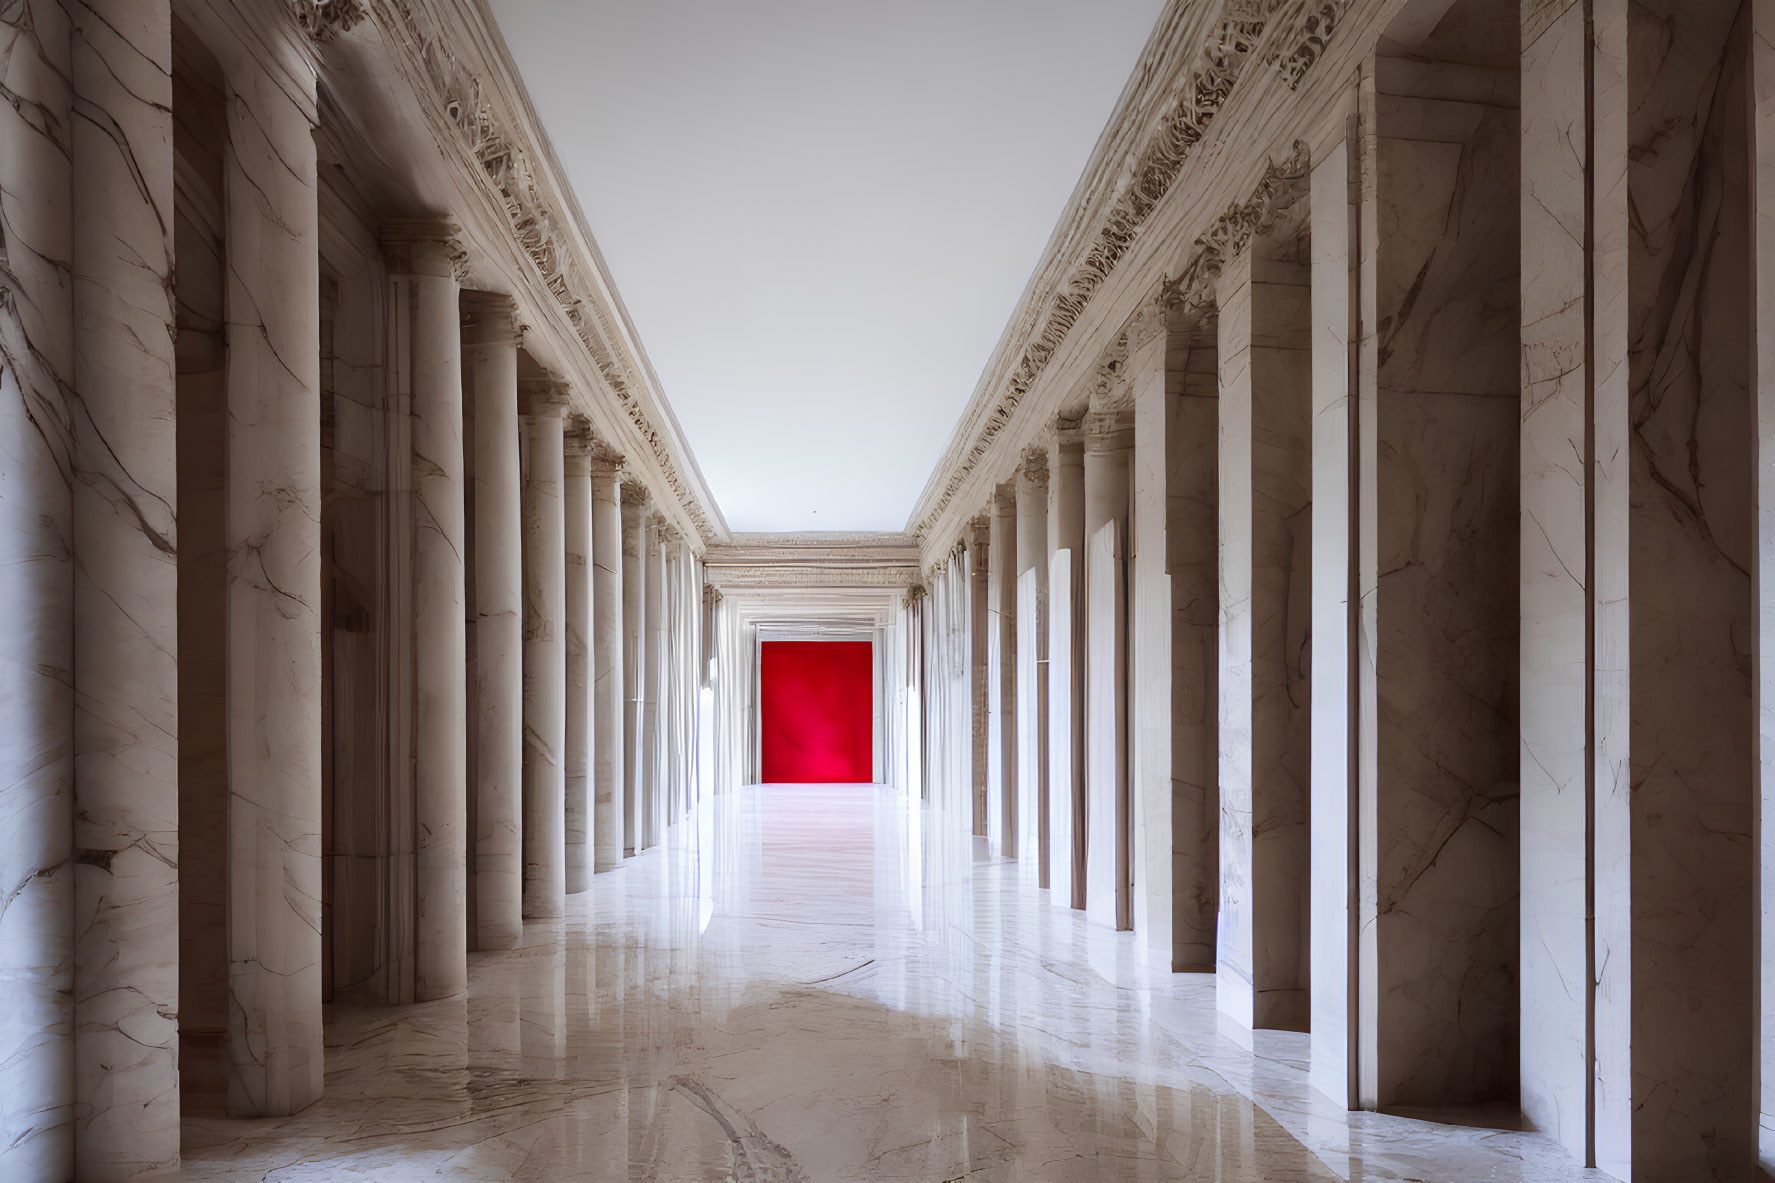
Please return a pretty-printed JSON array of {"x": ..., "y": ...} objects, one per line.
[
  {"x": 324, "y": 20},
  {"x": 489, "y": 135},
  {"x": 1313, "y": 21}
]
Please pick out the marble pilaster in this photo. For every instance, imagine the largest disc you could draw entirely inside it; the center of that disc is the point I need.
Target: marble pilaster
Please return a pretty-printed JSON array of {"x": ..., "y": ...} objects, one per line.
[
  {"x": 634, "y": 624},
  {"x": 576, "y": 516},
  {"x": 273, "y": 503},
  {"x": 1032, "y": 662},
  {"x": 1762, "y": 196},
  {"x": 545, "y": 650},
  {"x": 37, "y": 364},
  {"x": 607, "y": 659},
  {"x": 1108, "y": 854},
  {"x": 652, "y": 787},
  {"x": 499, "y": 625},
  {"x": 1335, "y": 704},
  {"x": 1066, "y": 667},
  {"x": 125, "y": 601},
  {"x": 425, "y": 266},
  {"x": 1001, "y": 674},
  {"x": 1265, "y": 741},
  {"x": 979, "y": 669},
  {"x": 1172, "y": 671}
]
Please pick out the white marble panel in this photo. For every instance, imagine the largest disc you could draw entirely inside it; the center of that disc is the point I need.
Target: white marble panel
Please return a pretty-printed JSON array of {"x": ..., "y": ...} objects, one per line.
[
  {"x": 545, "y": 658},
  {"x": 1065, "y": 737},
  {"x": 1106, "y": 778},
  {"x": 1032, "y": 711},
  {"x": 608, "y": 611},
  {"x": 1762, "y": 196}
]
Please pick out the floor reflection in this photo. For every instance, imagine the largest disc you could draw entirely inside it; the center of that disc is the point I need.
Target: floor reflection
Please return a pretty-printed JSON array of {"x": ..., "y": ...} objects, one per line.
[{"x": 826, "y": 983}]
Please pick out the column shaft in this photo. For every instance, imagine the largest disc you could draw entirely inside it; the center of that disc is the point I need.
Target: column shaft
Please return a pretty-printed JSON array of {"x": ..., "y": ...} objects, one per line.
[
  {"x": 37, "y": 589},
  {"x": 545, "y": 655},
  {"x": 1001, "y": 690},
  {"x": 126, "y": 991},
  {"x": 653, "y": 674},
  {"x": 1265, "y": 742},
  {"x": 576, "y": 765},
  {"x": 1032, "y": 663},
  {"x": 422, "y": 262},
  {"x": 1066, "y": 668},
  {"x": 607, "y": 663},
  {"x": 499, "y": 628},
  {"x": 1108, "y": 895},
  {"x": 979, "y": 632},
  {"x": 634, "y": 633},
  {"x": 273, "y": 623}
]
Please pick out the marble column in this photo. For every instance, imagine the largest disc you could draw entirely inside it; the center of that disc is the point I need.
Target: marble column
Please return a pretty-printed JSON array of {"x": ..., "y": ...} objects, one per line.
[
  {"x": 273, "y": 503},
  {"x": 1108, "y": 445},
  {"x": 607, "y": 660},
  {"x": 1032, "y": 661},
  {"x": 1265, "y": 742},
  {"x": 653, "y": 806},
  {"x": 1174, "y": 732},
  {"x": 979, "y": 632},
  {"x": 125, "y": 600},
  {"x": 1637, "y": 443},
  {"x": 634, "y": 624},
  {"x": 545, "y": 650},
  {"x": 37, "y": 1056},
  {"x": 499, "y": 625},
  {"x": 576, "y": 515},
  {"x": 1066, "y": 666},
  {"x": 425, "y": 267},
  {"x": 1001, "y": 675},
  {"x": 1762, "y": 197}
]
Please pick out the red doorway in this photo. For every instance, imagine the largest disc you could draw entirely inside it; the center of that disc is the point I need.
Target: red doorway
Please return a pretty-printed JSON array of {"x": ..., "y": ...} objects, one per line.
[{"x": 818, "y": 704}]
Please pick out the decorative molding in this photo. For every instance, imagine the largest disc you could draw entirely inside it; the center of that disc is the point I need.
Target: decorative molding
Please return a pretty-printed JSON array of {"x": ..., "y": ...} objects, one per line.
[
  {"x": 776, "y": 575},
  {"x": 324, "y": 20},
  {"x": 420, "y": 247},
  {"x": 1034, "y": 469},
  {"x": 1125, "y": 182},
  {"x": 492, "y": 139},
  {"x": 1315, "y": 22}
]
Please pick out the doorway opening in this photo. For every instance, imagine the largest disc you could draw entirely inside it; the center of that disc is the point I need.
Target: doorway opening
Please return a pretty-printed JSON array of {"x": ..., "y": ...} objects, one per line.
[{"x": 818, "y": 700}]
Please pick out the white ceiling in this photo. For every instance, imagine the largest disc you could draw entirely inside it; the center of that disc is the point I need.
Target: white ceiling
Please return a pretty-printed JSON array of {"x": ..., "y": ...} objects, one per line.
[{"x": 821, "y": 213}]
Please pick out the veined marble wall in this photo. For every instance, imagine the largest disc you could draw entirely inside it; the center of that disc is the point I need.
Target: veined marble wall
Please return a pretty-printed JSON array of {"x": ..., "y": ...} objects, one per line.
[{"x": 1443, "y": 333}]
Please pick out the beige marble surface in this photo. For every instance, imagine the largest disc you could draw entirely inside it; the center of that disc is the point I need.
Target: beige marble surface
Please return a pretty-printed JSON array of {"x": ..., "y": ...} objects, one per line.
[
  {"x": 822, "y": 983},
  {"x": 545, "y": 654}
]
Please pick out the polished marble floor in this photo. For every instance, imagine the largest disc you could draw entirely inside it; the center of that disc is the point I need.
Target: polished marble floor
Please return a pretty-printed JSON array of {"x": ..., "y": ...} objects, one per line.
[{"x": 824, "y": 983}]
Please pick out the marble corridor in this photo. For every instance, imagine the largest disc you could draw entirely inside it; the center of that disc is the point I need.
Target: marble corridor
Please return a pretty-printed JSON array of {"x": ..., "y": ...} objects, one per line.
[
  {"x": 1316, "y": 699},
  {"x": 813, "y": 982}
]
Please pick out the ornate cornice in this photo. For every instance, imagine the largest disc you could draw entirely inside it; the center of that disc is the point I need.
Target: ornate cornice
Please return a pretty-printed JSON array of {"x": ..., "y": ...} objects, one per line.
[
  {"x": 1289, "y": 35},
  {"x": 324, "y": 20},
  {"x": 779, "y": 576},
  {"x": 495, "y": 137}
]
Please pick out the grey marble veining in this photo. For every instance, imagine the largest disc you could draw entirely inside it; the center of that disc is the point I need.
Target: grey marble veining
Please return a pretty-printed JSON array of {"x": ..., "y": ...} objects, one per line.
[{"x": 823, "y": 983}]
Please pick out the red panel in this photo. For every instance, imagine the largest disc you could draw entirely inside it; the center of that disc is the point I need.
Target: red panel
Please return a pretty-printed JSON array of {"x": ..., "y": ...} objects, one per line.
[{"x": 818, "y": 699}]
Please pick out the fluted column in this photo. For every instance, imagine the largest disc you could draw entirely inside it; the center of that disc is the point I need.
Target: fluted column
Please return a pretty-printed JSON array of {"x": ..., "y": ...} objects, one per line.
[
  {"x": 545, "y": 650},
  {"x": 1108, "y": 447},
  {"x": 607, "y": 660},
  {"x": 652, "y": 781},
  {"x": 273, "y": 623},
  {"x": 126, "y": 954},
  {"x": 1032, "y": 662},
  {"x": 499, "y": 625},
  {"x": 634, "y": 625},
  {"x": 576, "y": 499},
  {"x": 1066, "y": 667},
  {"x": 1001, "y": 657},
  {"x": 424, "y": 265},
  {"x": 979, "y": 630}
]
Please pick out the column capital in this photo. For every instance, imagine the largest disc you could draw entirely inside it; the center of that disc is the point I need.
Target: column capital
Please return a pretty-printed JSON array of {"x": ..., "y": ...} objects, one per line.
[
  {"x": 1033, "y": 472},
  {"x": 492, "y": 318},
  {"x": 634, "y": 494},
  {"x": 605, "y": 460},
  {"x": 1109, "y": 431},
  {"x": 544, "y": 396},
  {"x": 1004, "y": 499},
  {"x": 979, "y": 530},
  {"x": 423, "y": 246}
]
